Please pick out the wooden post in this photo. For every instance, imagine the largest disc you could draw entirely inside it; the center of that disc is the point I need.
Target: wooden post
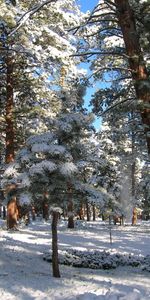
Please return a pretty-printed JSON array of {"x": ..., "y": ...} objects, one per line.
[{"x": 55, "y": 261}]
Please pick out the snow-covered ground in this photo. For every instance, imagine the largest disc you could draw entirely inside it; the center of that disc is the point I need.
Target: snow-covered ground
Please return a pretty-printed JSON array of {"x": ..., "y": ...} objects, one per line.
[{"x": 24, "y": 275}]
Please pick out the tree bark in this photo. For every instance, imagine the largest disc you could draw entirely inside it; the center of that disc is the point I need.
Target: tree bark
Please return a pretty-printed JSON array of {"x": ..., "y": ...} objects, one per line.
[
  {"x": 55, "y": 262},
  {"x": 4, "y": 213},
  {"x": 134, "y": 216},
  {"x": 88, "y": 212},
  {"x": 33, "y": 213},
  {"x": 45, "y": 209},
  {"x": 45, "y": 206},
  {"x": 133, "y": 166},
  {"x": 136, "y": 62},
  {"x": 12, "y": 206},
  {"x": 9, "y": 157},
  {"x": 12, "y": 213},
  {"x": 81, "y": 212},
  {"x": 94, "y": 212},
  {"x": 70, "y": 208}
]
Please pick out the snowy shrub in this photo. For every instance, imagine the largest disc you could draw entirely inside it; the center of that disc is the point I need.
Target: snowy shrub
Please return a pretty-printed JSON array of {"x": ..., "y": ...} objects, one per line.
[{"x": 99, "y": 259}]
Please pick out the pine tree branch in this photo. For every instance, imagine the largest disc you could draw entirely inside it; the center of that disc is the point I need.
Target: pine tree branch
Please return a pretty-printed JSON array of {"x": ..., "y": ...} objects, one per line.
[
  {"x": 111, "y": 69},
  {"x": 103, "y": 15},
  {"x": 104, "y": 20},
  {"x": 87, "y": 22},
  {"x": 110, "y": 2},
  {"x": 99, "y": 53},
  {"x": 113, "y": 106},
  {"x": 105, "y": 29},
  {"x": 118, "y": 79},
  {"x": 28, "y": 14},
  {"x": 92, "y": 12}
]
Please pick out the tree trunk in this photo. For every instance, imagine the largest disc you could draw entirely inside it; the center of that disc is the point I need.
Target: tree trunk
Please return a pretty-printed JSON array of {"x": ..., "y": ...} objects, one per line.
[
  {"x": 70, "y": 208},
  {"x": 45, "y": 210},
  {"x": 94, "y": 212},
  {"x": 4, "y": 213},
  {"x": 9, "y": 157},
  {"x": 134, "y": 216},
  {"x": 88, "y": 212},
  {"x": 133, "y": 167},
  {"x": 136, "y": 62},
  {"x": 12, "y": 206},
  {"x": 55, "y": 262},
  {"x": 12, "y": 213},
  {"x": 81, "y": 212},
  {"x": 33, "y": 213},
  {"x": 45, "y": 206}
]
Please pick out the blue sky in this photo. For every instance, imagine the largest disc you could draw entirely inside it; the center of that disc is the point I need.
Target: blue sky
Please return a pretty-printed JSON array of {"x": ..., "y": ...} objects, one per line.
[{"x": 89, "y": 5}]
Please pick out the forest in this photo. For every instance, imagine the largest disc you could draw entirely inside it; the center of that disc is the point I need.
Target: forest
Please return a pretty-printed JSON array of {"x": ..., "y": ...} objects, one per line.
[{"x": 56, "y": 166}]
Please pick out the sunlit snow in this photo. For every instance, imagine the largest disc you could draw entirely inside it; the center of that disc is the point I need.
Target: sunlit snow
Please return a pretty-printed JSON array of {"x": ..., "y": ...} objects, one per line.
[{"x": 25, "y": 275}]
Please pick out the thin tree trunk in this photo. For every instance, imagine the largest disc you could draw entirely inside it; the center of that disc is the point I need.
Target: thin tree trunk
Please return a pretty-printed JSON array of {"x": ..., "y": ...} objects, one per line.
[
  {"x": 70, "y": 208},
  {"x": 94, "y": 212},
  {"x": 133, "y": 166},
  {"x": 4, "y": 213},
  {"x": 134, "y": 213},
  {"x": 45, "y": 210},
  {"x": 136, "y": 62},
  {"x": 12, "y": 210},
  {"x": 81, "y": 212},
  {"x": 45, "y": 206},
  {"x": 55, "y": 262},
  {"x": 9, "y": 157},
  {"x": 88, "y": 212},
  {"x": 33, "y": 213}
]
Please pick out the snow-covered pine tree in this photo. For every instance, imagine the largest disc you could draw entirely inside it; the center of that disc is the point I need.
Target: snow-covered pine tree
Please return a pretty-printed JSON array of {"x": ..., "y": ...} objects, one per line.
[
  {"x": 75, "y": 131},
  {"x": 121, "y": 170},
  {"x": 34, "y": 44},
  {"x": 35, "y": 40}
]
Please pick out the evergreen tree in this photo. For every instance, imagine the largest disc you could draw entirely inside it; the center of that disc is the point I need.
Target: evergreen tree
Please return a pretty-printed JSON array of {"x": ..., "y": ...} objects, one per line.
[{"x": 34, "y": 44}]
